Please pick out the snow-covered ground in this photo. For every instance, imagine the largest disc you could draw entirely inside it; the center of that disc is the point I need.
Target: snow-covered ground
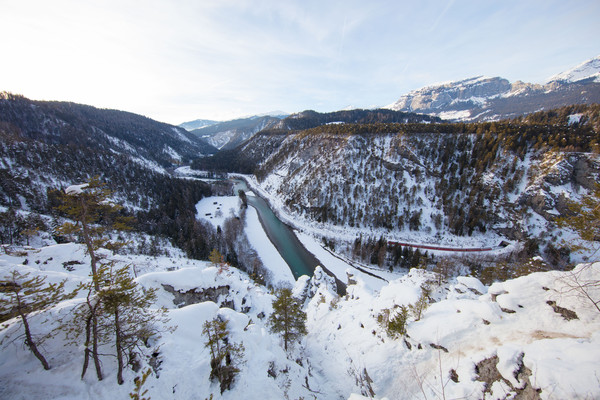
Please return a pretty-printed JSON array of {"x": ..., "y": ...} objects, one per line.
[
  {"x": 346, "y": 233},
  {"x": 535, "y": 335},
  {"x": 184, "y": 361},
  {"x": 217, "y": 209},
  {"x": 519, "y": 326}
]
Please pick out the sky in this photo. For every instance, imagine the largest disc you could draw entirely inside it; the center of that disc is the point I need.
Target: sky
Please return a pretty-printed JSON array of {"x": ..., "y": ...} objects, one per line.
[{"x": 180, "y": 60}]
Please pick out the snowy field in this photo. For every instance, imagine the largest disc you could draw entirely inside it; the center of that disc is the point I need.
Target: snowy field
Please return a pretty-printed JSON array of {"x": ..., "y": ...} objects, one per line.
[{"x": 519, "y": 325}]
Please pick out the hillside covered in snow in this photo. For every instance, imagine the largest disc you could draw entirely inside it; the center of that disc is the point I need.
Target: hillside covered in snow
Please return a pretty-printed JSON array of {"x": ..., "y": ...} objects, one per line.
[
  {"x": 532, "y": 337},
  {"x": 462, "y": 186}
]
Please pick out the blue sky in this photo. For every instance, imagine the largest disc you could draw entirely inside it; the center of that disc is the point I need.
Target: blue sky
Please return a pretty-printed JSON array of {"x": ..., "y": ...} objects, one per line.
[{"x": 175, "y": 61}]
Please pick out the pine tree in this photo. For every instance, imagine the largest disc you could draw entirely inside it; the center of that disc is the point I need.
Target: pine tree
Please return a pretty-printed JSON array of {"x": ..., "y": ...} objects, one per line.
[
  {"x": 225, "y": 356},
  {"x": 23, "y": 295},
  {"x": 215, "y": 257},
  {"x": 127, "y": 307},
  {"x": 94, "y": 214},
  {"x": 287, "y": 318},
  {"x": 585, "y": 220}
]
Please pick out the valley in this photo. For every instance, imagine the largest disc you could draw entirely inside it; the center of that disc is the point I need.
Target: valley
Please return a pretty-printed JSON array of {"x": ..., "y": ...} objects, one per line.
[{"x": 354, "y": 254}]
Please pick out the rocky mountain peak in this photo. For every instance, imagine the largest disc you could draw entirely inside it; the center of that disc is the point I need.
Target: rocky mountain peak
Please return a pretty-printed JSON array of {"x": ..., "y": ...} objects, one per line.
[
  {"x": 589, "y": 69},
  {"x": 484, "y": 98}
]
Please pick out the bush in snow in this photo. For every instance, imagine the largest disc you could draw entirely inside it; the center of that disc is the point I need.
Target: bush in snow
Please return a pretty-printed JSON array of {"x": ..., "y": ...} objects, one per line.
[{"x": 394, "y": 320}]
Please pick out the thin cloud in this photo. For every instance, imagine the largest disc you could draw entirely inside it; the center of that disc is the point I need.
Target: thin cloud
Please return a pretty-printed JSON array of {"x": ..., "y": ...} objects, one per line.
[{"x": 181, "y": 60}]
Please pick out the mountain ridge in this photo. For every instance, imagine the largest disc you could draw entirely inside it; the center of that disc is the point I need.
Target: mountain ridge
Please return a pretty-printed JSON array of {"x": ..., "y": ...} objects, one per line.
[{"x": 484, "y": 98}]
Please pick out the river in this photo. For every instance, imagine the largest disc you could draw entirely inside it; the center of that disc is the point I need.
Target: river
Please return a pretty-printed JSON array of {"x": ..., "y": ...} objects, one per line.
[{"x": 300, "y": 260}]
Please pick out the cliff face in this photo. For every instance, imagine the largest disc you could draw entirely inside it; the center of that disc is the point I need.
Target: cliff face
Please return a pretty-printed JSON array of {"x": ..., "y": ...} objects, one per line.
[{"x": 469, "y": 92}]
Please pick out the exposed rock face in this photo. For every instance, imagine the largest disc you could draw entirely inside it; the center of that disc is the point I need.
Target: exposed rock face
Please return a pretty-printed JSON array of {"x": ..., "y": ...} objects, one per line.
[
  {"x": 194, "y": 296},
  {"x": 575, "y": 169},
  {"x": 487, "y": 372},
  {"x": 566, "y": 313},
  {"x": 442, "y": 96}
]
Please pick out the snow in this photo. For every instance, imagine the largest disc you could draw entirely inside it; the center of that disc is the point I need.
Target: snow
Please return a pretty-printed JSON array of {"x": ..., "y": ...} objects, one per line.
[
  {"x": 171, "y": 152},
  {"x": 338, "y": 266},
  {"x": 76, "y": 189},
  {"x": 270, "y": 257},
  {"x": 585, "y": 70},
  {"x": 217, "y": 209},
  {"x": 455, "y": 115},
  {"x": 468, "y": 319},
  {"x": 180, "y": 134},
  {"x": 188, "y": 171},
  {"x": 151, "y": 165},
  {"x": 574, "y": 118}
]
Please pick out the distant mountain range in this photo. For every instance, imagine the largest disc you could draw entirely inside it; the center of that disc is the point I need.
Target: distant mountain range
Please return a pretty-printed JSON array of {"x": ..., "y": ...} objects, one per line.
[
  {"x": 474, "y": 99},
  {"x": 197, "y": 124},
  {"x": 490, "y": 99},
  {"x": 49, "y": 144},
  {"x": 230, "y": 134}
]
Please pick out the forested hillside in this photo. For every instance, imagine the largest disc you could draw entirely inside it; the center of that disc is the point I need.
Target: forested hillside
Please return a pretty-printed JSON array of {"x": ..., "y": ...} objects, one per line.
[
  {"x": 47, "y": 146},
  {"x": 509, "y": 178},
  {"x": 310, "y": 119},
  {"x": 247, "y": 155}
]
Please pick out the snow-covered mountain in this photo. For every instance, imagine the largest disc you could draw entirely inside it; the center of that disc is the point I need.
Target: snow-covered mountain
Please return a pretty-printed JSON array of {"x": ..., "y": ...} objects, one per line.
[
  {"x": 229, "y": 134},
  {"x": 197, "y": 124},
  {"x": 587, "y": 70},
  {"x": 494, "y": 98},
  {"x": 436, "y": 183},
  {"x": 49, "y": 145},
  {"x": 275, "y": 113}
]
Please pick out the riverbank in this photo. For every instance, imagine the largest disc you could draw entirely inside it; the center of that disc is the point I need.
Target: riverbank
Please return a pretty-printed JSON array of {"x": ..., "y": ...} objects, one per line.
[
  {"x": 332, "y": 264},
  {"x": 313, "y": 261},
  {"x": 438, "y": 245}
]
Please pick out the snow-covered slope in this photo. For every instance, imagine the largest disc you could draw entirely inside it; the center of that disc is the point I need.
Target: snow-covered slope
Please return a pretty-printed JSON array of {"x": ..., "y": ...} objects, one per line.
[
  {"x": 534, "y": 335},
  {"x": 423, "y": 187},
  {"x": 228, "y": 134},
  {"x": 516, "y": 335},
  {"x": 46, "y": 145},
  {"x": 196, "y": 124},
  {"x": 587, "y": 70}
]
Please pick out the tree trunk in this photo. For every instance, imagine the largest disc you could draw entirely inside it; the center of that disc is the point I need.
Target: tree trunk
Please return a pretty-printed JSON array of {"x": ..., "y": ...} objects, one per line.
[
  {"x": 88, "y": 242},
  {"x": 119, "y": 348},
  {"x": 91, "y": 337},
  {"x": 86, "y": 355},
  {"x": 31, "y": 344},
  {"x": 286, "y": 326},
  {"x": 95, "y": 345},
  {"x": 28, "y": 339}
]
